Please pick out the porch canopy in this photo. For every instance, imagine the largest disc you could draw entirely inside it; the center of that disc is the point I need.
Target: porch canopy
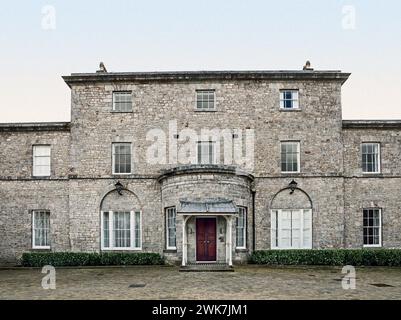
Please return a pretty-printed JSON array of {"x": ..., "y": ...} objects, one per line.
[
  {"x": 208, "y": 207},
  {"x": 217, "y": 206}
]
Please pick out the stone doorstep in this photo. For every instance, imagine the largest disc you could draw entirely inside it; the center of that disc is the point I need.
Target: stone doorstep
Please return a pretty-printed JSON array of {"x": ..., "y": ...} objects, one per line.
[{"x": 207, "y": 267}]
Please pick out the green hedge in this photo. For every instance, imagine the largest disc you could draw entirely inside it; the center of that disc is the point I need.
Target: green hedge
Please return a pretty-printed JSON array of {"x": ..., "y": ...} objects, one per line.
[
  {"x": 334, "y": 257},
  {"x": 58, "y": 259}
]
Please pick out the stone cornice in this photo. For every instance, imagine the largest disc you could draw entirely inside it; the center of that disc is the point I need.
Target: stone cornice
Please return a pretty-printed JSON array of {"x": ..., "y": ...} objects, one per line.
[
  {"x": 76, "y": 78},
  {"x": 35, "y": 126},
  {"x": 372, "y": 124}
]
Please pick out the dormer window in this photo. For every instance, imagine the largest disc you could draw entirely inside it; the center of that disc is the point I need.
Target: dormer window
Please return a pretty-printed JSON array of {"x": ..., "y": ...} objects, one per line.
[{"x": 289, "y": 99}]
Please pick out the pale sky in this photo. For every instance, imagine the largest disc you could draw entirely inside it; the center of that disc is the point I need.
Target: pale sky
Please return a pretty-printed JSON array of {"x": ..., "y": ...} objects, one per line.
[{"x": 37, "y": 47}]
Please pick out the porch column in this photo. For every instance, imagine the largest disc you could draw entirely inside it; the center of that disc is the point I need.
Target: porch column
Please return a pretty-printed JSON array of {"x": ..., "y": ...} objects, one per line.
[
  {"x": 230, "y": 240},
  {"x": 184, "y": 241}
]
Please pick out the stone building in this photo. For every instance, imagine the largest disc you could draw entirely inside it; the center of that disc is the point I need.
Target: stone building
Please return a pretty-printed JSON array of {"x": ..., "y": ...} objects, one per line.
[{"x": 200, "y": 167}]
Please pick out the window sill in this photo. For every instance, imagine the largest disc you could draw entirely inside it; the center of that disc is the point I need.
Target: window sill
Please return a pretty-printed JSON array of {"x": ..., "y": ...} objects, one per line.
[
  {"x": 241, "y": 250},
  {"x": 113, "y": 111},
  {"x": 41, "y": 177},
  {"x": 372, "y": 246},
  {"x": 121, "y": 249},
  {"x": 121, "y": 174},
  {"x": 199, "y": 110},
  {"x": 170, "y": 251},
  {"x": 290, "y": 110},
  {"x": 41, "y": 248},
  {"x": 291, "y": 173}
]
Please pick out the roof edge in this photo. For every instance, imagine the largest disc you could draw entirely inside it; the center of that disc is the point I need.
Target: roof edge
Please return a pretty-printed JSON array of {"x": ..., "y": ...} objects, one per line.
[
  {"x": 374, "y": 124},
  {"x": 35, "y": 126},
  {"x": 333, "y": 75}
]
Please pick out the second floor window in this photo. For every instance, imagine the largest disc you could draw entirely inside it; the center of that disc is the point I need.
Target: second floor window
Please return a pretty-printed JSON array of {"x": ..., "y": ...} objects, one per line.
[
  {"x": 122, "y": 101},
  {"x": 289, "y": 99},
  {"x": 121, "y": 158},
  {"x": 41, "y": 161},
  {"x": 371, "y": 157},
  {"x": 290, "y": 156},
  {"x": 205, "y": 100},
  {"x": 206, "y": 152}
]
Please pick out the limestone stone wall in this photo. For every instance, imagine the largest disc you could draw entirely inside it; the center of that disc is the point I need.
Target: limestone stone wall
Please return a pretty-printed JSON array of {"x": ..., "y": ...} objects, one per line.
[
  {"x": 373, "y": 190},
  {"x": 81, "y": 164}
]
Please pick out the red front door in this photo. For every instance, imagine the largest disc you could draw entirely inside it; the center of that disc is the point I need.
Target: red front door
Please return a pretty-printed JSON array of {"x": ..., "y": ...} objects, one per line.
[{"x": 205, "y": 239}]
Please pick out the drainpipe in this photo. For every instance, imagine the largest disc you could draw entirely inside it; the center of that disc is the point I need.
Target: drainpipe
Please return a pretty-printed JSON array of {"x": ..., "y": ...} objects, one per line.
[{"x": 253, "y": 221}]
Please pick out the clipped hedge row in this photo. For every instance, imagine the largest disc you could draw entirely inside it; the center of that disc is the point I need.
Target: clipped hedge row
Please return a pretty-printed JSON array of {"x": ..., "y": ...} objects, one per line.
[
  {"x": 334, "y": 257},
  {"x": 58, "y": 259}
]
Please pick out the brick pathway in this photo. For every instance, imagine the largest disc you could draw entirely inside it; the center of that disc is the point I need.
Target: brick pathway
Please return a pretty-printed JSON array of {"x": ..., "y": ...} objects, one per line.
[{"x": 248, "y": 282}]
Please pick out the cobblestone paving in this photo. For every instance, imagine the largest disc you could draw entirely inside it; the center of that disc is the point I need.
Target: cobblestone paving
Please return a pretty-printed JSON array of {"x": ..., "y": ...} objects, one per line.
[{"x": 248, "y": 282}]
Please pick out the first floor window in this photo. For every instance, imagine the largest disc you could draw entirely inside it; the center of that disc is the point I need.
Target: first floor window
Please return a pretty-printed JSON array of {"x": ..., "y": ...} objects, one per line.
[
  {"x": 41, "y": 161},
  {"x": 371, "y": 157},
  {"x": 241, "y": 228},
  {"x": 206, "y": 152},
  {"x": 41, "y": 229},
  {"x": 291, "y": 229},
  {"x": 290, "y": 156},
  {"x": 121, "y": 230},
  {"x": 372, "y": 227},
  {"x": 170, "y": 228},
  {"x": 121, "y": 158}
]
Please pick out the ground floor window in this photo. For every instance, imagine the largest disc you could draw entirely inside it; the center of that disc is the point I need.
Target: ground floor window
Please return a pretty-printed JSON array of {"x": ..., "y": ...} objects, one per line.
[
  {"x": 41, "y": 229},
  {"x": 372, "y": 227},
  {"x": 291, "y": 229},
  {"x": 170, "y": 228},
  {"x": 241, "y": 228},
  {"x": 121, "y": 230}
]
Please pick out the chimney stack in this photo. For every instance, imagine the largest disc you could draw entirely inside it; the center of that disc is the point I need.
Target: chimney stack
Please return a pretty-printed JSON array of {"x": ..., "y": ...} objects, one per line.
[{"x": 307, "y": 66}]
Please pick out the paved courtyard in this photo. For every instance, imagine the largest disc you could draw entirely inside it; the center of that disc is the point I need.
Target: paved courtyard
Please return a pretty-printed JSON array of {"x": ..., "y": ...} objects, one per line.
[{"x": 247, "y": 282}]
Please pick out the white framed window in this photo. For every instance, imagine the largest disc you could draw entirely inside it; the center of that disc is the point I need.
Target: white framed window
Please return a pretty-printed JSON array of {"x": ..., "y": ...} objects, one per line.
[
  {"x": 205, "y": 100},
  {"x": 291, "y": 229},
  {"x": 289, "y": 99},
  {"x": 370, "y": 157},
  {"x": 206, "y": 152},
  {"x": 171, "y": 228},
  {"x": 121, "y": 158},
  {"x": 41, "y": 229},
  {"x": 121, "y": 230},
  {"x": 290, "y": 156},
  {"x": 41, "y": 161},
  {"x": 372, "y": 227},
  {"x": 241, "y": 228},
  {"x": 122, "y": 101}
]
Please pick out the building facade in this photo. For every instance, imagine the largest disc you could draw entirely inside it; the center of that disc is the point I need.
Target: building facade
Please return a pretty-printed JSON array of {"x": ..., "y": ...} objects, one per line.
[{"x": 200, "y": 167}]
